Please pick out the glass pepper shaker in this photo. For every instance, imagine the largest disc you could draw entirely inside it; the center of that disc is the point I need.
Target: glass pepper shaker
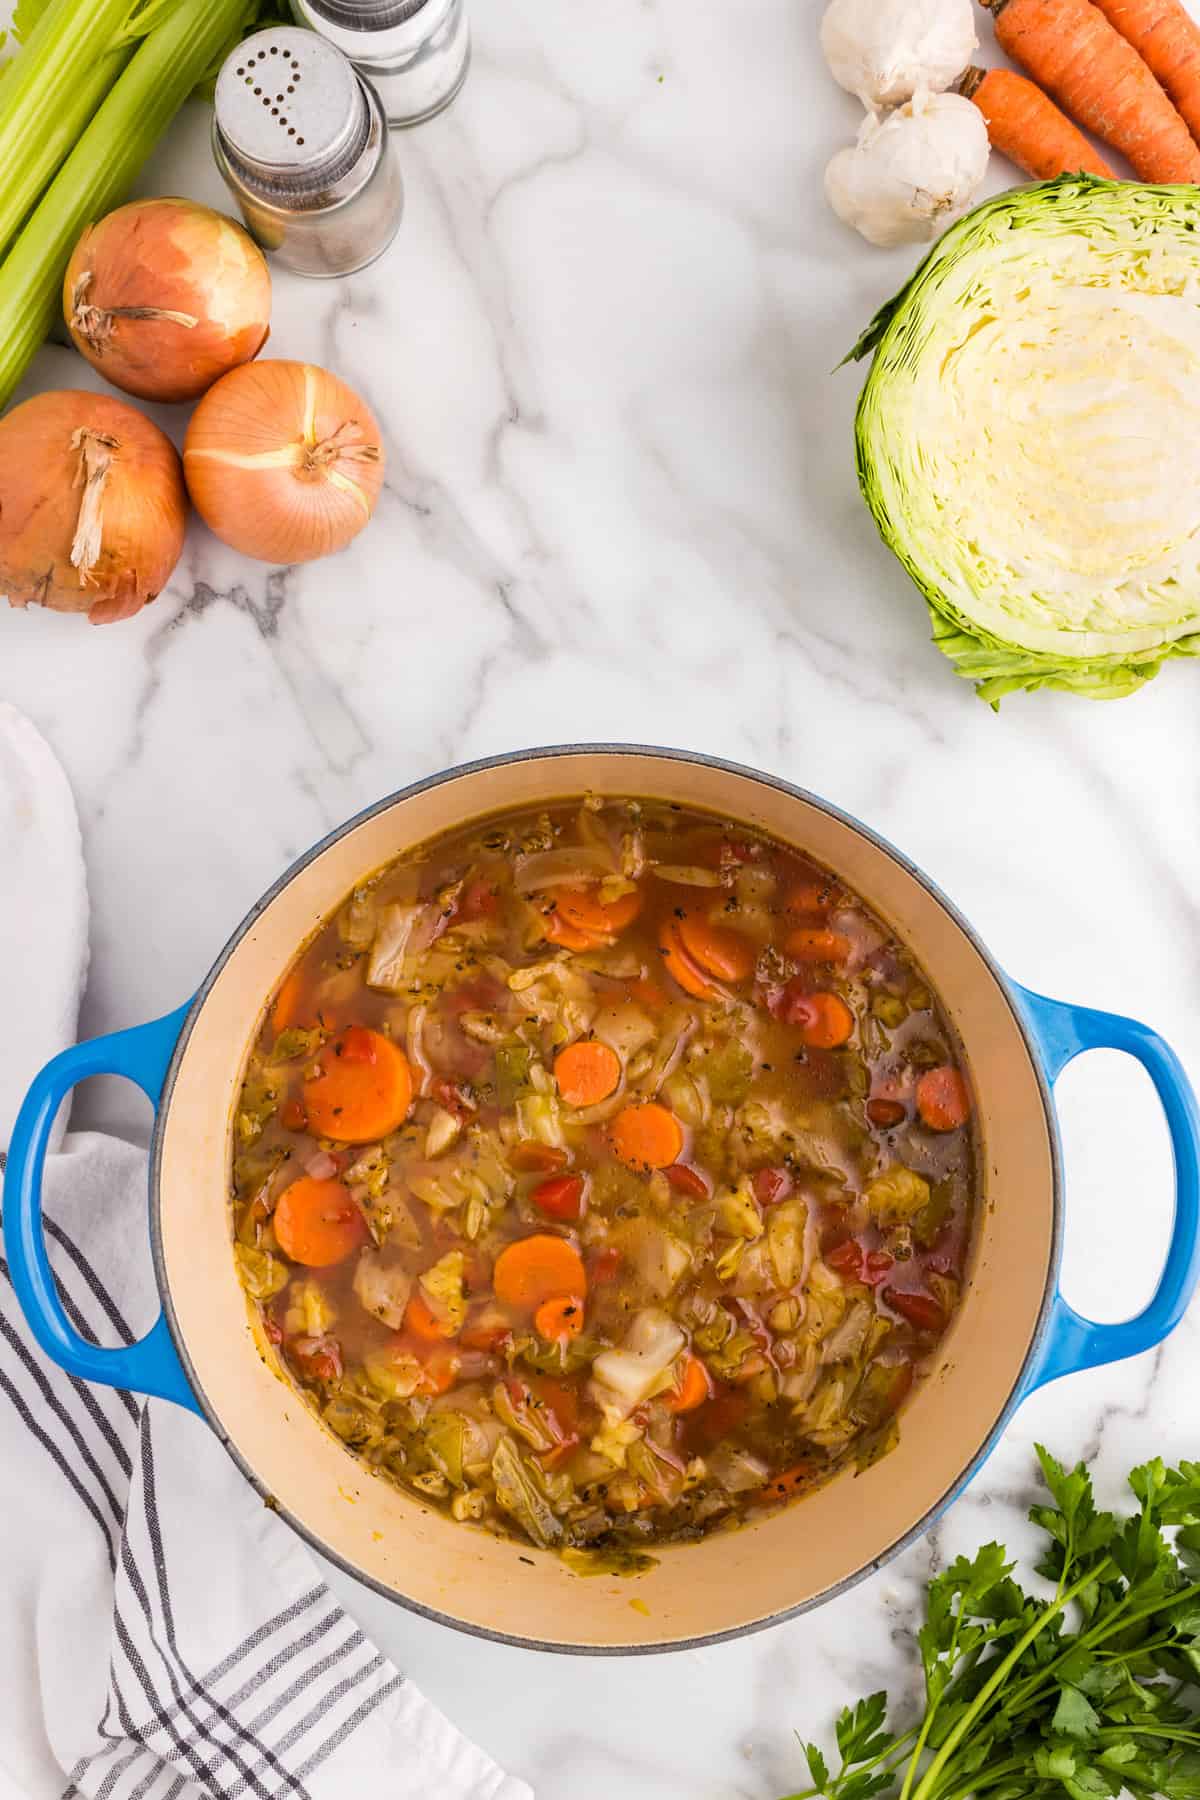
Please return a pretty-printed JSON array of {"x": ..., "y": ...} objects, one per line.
[
  {"x": 415, "y": 53},
  {"x": 302, "y": 143}
]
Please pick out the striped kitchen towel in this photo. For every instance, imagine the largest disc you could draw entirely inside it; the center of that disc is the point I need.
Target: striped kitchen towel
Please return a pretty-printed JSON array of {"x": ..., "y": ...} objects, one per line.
[{"x": 165, "y": 1636}]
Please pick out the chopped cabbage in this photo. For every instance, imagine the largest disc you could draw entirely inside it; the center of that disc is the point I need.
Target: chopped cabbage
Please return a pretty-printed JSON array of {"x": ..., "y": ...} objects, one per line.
[
  {"x": 622, "y": 1379},
  {"x": 442, "y": 1286},
  {"x": 897, "y": 1195},
  {"x": 382, "y": 1287},
  {"x": 738, "y": 1212}
]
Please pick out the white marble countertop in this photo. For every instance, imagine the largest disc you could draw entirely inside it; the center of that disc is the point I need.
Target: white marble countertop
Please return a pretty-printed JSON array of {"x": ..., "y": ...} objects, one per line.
[{"x": 621, "y": 504}]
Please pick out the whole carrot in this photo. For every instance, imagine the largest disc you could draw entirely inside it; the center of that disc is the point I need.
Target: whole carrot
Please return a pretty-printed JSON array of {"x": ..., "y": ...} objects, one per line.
[
  {"x": 1026, "y": 126},
  {"x": 1167, "y": 39},
  {"x": 1069, "y": 47}
]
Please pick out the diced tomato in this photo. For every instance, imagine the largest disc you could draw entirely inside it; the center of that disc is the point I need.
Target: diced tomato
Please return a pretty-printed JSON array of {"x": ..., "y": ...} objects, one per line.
[
  {"x": 273, "y": 1329},
  {"x": 477, "y": 995},
  {"x": 603, "y": 1265},
  {"x": 687, "y": 1181},
  {"x": 452, "y": 1097},
  {"x": 485, "y": 1334},
  {"x": 718, "y": 1419},
  {"x": 877, "y": 1265},
  {"x": 845, "y": 1259},
  {"x": 790, "y": 1003},
  {"x": 559, "y": 1198},
  {"x": 723, "y": 852},
  {"x": 532, "y": 1158},
  {"x": 561, "y": 1399},
  {"x": 293, "y": 1116},
  {"x": 921, "y": 1310},
  {"x": 318, "y": 1358},
  {"x": 479, "y": 900},
  {"x": 771, "y": 1185},
  {"x": 886, "y": 1113}
]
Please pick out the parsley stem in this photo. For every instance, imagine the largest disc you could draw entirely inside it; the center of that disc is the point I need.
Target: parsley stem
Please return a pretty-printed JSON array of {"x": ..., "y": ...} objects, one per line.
[
  {"x": 928, "y": 1783},
  {"x": 979, "y": 1783}
]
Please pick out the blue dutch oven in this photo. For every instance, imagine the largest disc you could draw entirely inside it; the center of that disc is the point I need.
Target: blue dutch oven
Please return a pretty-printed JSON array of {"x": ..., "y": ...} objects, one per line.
[{"x": 1014, "y": 1331}]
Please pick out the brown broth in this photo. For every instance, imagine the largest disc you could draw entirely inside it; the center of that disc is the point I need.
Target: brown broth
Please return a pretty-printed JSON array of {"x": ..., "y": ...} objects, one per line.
[{"x": 770, "y": 1291}]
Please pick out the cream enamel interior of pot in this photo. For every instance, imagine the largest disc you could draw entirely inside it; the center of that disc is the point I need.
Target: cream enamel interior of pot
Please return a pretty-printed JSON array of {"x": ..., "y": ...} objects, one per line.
[{"x": 729, "y": 1581}]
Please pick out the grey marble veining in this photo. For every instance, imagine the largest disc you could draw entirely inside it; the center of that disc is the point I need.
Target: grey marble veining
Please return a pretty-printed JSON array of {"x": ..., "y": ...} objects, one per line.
[{"x": 621, "y": 504}]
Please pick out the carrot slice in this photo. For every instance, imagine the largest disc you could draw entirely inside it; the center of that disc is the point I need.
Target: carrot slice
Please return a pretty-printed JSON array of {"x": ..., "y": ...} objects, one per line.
[
  {"x": 679, "y": 964},
  {"x": 718, "y": 951},
  {"x": 647, "y": 1136},
  {"x": 559, "y": 1317},
  {"x": 317, "y": 1222},
  {"x": 587, "y": 912},
  {"x": 825, "y": 1020},
  {"x": 816, "y": 944},
  {"x": 692, "y": 1388},
  {"x": 423, "y": 1322},
  {"x": 943, "y": 1099},
  {"x": 364, "y": 1089},
  {"x": 439, "y": 1370},
  {"x": 569, "y": 937},
  {"x": 587, "y": 1072},
  {"x": 811, "y": 897},
  {"x": 288, "y": 1001},
  {"x": 786, "y": 1484},
  {"x": 538, "y": 1268}
]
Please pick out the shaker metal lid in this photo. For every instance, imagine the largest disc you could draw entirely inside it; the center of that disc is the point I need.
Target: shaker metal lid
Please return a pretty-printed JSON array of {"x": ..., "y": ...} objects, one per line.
[
  {"x": 367, "y": 15},
  {"x": 290, "y": 110}
]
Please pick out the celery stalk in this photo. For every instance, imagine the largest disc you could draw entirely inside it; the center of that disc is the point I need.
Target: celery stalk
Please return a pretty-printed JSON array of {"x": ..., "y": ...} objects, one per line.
[
  {"x": 161, "y": 73},
  {"x": 49, "y": 92}
]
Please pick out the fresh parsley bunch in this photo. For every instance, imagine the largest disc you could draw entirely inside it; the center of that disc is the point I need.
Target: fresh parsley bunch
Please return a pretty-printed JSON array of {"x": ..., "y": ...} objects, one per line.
[{"x": 1089, "y": 1693}]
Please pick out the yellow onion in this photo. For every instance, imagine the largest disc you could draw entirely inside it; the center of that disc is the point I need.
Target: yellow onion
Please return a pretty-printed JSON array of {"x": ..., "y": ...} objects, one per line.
[
  {"x": 283, "y": 461},
  {"x": 164, "y": 297},
  {"x": 92, "y": 506}
]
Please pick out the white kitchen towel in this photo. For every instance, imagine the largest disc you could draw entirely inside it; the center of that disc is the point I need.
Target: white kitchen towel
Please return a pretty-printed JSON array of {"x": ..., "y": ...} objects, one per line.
[
  {"x": 43, "y": 910},
  {"x": 165, "y": 1636}
]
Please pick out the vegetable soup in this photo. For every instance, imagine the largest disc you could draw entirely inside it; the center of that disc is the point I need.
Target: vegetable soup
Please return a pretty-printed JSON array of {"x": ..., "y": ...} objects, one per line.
[{"x": 605, "y": 1175}]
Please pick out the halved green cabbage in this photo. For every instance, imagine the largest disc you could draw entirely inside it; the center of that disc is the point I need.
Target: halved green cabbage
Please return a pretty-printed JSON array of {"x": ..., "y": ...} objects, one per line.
[{"x": 1029, "y": 435}]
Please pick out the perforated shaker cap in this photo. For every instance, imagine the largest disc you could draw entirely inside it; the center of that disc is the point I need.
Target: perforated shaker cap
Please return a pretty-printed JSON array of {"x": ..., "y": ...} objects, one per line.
[{"x": 291, "y": 112}]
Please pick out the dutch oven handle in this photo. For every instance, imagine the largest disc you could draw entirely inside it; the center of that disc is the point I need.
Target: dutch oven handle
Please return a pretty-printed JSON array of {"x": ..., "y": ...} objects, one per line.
[
  {"x": 1072, "y": 1343},
  {"x": 151, "y": 1366}
]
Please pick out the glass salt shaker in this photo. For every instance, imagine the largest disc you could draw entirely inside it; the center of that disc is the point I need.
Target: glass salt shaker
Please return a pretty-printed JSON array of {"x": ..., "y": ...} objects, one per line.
[
  {"x": 302, "y": 143},
  {"x": 415, "y": 53}
]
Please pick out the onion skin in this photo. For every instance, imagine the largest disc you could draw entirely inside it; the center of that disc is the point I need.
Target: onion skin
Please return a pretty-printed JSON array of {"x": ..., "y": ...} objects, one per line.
[
  {"x": 142, "y": 507},
  {"x": 181, "y": 259},
  {"x": 283, "y": 461}
]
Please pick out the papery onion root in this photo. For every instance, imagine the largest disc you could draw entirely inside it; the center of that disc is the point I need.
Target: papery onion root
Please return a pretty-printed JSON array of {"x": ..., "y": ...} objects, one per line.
[
  {"x": 95, "y": 464},
  {"x": 93, "y": 508},
  {"x": 95, "y": 323},
  {"x": 165, "y": 296}
]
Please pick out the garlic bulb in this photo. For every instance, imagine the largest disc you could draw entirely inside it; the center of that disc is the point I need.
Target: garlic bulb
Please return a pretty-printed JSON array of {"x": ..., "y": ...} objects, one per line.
[
  {"x": 911, "y": 173},
  {"x": 885, "y": 51}
]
